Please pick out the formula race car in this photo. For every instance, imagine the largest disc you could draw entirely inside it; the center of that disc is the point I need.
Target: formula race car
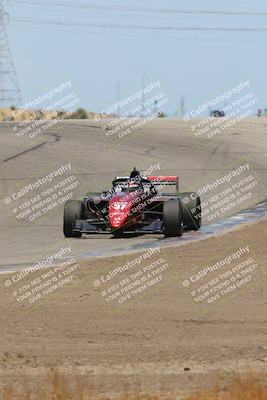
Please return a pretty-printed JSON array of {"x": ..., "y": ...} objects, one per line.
[{"x": 134, "y": 204}]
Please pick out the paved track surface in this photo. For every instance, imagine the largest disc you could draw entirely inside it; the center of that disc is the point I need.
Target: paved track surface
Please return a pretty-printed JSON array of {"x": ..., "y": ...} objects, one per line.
[{"x": 96, "y": 159}]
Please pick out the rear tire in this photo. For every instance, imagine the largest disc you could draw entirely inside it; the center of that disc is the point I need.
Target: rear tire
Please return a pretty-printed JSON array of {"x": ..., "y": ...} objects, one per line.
[
  {"x": 191, "y": 206},
  {"x": 172, "y": 218},
  {"x": 72, "y": 211}
]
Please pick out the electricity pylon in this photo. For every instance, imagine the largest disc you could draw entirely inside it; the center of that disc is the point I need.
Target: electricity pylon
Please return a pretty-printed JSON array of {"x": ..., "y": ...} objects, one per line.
[{"x": 9, "y": 85}]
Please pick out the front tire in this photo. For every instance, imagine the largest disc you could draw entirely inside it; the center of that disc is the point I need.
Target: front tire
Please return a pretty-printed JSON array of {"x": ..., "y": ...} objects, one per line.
[
  {"x": 72, "y": 211},
  {"x": 172, "y": 218}
]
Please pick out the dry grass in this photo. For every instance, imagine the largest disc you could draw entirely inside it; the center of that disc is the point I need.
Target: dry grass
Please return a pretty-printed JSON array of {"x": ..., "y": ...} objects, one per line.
[
  {"x": 251, "y": 387},
  {"x": 58, "y": 387}
]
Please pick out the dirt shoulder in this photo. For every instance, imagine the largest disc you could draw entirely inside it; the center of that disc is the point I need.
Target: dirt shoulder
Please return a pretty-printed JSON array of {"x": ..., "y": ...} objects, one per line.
[{"x": 165, "y": 337}]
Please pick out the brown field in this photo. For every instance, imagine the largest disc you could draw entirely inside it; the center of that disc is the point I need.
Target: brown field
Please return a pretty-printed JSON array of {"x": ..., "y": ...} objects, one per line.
[{"x": 161, "y": 343}]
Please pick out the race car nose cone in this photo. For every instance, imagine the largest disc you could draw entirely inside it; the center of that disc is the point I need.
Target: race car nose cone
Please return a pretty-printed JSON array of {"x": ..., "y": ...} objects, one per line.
[{"x": 119, "y": 210}]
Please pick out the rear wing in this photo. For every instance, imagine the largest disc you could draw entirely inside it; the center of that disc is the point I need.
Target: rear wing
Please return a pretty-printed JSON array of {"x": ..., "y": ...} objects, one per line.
[
  {"x": 155, "y": 180},
  {"x": 165, "y": 181}
]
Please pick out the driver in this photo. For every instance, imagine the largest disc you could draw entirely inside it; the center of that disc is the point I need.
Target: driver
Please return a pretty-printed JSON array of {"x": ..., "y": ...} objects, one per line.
[{"x": 135, "y": 175}]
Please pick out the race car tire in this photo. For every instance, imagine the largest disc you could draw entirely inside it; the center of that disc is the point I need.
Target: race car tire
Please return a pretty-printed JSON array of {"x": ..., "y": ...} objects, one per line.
[
  {"x": 191, "y": 207},
  {"x": 72, "y": 212},
  {"x": 172, "y": 218}
]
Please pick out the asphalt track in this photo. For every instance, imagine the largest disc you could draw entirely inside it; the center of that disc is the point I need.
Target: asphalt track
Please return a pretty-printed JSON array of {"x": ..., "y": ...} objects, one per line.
[{"x": 96, "y": 159}]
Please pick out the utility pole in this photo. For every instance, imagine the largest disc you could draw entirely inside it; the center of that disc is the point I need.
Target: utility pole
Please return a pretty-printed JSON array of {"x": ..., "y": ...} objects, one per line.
[
  {"x": 182, "y": 106},
  {"x": 143, "y": 96},
  {"x": 118, "y": 98},
  {"x": 9, "y": 85},
  {"x": 155, "y": 107}
]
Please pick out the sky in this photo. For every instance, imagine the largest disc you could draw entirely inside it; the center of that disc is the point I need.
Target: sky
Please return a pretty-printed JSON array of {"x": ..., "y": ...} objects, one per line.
[{"x": 198, "y": 65}]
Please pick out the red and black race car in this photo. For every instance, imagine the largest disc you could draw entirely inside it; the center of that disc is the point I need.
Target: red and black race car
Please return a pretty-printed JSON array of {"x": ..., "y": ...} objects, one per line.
[{"x": 134, "y": 204}]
